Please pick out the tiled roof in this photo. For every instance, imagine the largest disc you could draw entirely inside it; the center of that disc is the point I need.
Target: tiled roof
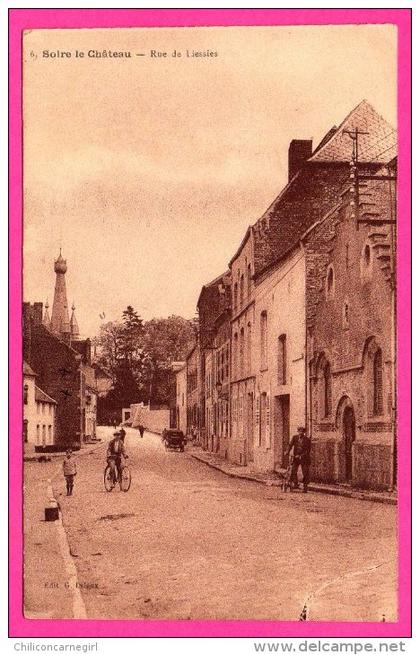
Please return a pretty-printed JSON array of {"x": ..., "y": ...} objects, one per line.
[
  {"x": 379, "y": 144},
  {"x": 27, "y": 370},
  {"x": 315, "y": 189},
  {"x": 42, "y": 397}
]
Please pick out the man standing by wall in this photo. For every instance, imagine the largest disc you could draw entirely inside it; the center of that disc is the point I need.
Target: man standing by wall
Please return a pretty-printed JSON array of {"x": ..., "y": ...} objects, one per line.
[{"x": 301, "y": 446}]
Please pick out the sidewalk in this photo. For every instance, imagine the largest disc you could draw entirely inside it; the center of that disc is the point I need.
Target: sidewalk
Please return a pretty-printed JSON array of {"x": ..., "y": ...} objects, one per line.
[
  {"x": 46, "y": 593},
  {"x": 273, "y": 480}
]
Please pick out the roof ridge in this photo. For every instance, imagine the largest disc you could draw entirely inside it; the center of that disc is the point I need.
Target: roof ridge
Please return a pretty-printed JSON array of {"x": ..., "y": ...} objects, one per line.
[
  {"x": 47, "y": 398},
  {"x": 335, "y": 137}
]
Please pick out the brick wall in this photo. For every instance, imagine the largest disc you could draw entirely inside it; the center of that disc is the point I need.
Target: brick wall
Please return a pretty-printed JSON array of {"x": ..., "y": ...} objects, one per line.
[{"x": 340, "y": 326}]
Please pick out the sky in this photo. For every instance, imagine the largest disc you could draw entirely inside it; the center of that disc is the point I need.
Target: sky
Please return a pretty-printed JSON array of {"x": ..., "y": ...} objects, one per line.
[{"x": 147, "y": 171}]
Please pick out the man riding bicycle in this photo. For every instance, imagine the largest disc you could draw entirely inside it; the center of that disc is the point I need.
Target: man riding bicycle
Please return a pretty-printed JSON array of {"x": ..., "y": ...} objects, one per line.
[{"x": 114, "y": 454}]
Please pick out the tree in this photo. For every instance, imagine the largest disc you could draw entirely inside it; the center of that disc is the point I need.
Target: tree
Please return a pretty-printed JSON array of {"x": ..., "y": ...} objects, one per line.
[
  {"x": 165, "y": 340},
  {"x": 109, "y": 347},
  {"x": 138, "y": 355}
]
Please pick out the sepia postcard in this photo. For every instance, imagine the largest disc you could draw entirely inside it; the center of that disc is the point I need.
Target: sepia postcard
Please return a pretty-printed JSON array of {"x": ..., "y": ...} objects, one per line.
[{"x": 210, "y": 255}]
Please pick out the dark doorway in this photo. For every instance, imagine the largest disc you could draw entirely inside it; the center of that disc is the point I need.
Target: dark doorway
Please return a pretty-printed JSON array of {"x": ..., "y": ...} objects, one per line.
[
  {"x": 349, "y": 434},
  {"x": 281, "y": 430}
]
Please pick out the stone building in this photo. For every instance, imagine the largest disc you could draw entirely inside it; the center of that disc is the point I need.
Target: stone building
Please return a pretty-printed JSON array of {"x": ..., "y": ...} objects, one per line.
[
  {"x": 59, "y": 371},
  {"x": 279, "y": 359},
  {"x": 243, "y": 357},
  {"x": 273, "y": 286},
  {"x": 38, "y": 412},
  {"x": 193, "y": 398},
  {"x": 213, "y": 301},
  {"x": 181, "y": 398},
  {"x": 222, "y": 331},
  {"x": 351, "y": 335},
  {"x": 62, "y": 362}
]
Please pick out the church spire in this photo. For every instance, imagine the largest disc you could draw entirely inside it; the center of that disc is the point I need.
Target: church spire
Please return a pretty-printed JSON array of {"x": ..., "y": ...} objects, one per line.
[
  {"x": 46, "y": 321},
  {"x": 74, "y": 328},
  {"x": 60, "y": 324}
]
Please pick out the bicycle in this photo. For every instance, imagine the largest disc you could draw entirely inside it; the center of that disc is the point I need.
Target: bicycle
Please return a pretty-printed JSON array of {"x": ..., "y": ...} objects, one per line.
[{"x": 123, "y": 478}]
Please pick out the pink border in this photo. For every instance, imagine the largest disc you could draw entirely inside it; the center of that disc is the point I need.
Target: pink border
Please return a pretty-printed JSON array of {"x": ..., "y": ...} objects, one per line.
[{"x": 21, "y": 19}]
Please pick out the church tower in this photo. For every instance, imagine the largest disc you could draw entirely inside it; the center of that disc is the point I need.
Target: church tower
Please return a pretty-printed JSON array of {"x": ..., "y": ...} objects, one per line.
[
  {"x": 60, "y": 324},
  {"x": 74, "y": 328}
]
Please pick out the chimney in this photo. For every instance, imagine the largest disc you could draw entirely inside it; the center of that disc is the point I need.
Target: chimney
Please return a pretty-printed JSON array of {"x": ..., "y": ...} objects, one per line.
[{"x": 299, "y": 151}]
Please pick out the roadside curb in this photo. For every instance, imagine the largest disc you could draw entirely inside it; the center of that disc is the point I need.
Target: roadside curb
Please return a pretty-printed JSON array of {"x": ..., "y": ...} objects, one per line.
[{"x": 317, "y": 488}]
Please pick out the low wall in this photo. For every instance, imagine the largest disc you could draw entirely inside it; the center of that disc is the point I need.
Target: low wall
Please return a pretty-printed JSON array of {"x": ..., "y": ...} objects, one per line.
[{"x": 154, "y": 420}]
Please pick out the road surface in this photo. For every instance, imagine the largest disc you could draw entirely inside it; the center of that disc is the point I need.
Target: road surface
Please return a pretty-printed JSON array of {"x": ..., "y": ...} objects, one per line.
[{"x": 188, "y": 542}]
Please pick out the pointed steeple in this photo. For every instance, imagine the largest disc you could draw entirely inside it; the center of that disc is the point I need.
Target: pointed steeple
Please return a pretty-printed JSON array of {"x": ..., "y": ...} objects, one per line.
[
  {"x": 46, "y": 321},
  {"x": 74, "y": 328},
  {"x": 60, "y": 323}
]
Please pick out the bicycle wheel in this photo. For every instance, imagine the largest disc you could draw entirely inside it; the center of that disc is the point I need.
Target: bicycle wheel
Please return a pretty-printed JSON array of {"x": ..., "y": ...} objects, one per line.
[
  {"x": 108, "y": 479},
  {"x": 125, "y": 478}
]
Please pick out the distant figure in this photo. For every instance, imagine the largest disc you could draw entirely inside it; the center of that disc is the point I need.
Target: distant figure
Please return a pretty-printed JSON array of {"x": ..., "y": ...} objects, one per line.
[
  {"x": 141, "y": 430},
  {"x": 301, "y": 446},
  {"x": 122, "y": 433},
  {"x": 69, "y": 470}
]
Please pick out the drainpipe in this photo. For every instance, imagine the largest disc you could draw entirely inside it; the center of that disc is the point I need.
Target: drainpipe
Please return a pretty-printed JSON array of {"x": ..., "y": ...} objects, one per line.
[
  {"x": 308, "y": 421},
  {"x": 393, "y": 337}
]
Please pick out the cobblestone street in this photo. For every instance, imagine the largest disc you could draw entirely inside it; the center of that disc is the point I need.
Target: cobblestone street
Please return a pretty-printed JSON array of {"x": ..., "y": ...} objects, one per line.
[{"x": 188, "y": 542}]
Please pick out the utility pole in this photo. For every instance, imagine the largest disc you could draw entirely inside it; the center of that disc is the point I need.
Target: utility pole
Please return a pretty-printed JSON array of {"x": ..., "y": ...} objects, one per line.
[{"x": 354, "y": 136}]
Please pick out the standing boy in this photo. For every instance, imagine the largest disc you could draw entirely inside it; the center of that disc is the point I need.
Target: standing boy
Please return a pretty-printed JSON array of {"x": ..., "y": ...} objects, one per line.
[{"x": 69, "y": 470}]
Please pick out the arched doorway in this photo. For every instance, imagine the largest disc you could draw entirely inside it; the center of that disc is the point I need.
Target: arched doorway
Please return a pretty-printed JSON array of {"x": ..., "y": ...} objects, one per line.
[{"x": 349, "y": 434}]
